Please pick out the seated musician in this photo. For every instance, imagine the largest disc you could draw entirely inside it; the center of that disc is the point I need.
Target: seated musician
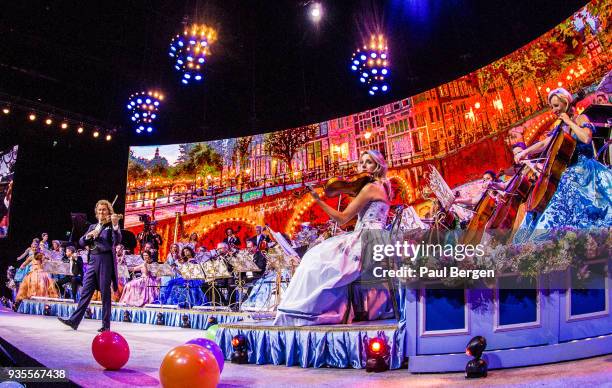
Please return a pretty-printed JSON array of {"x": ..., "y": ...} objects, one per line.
[
  {"x": 181, "y": 292},
  {"x": 487, "y": 178},
  {"x": 223, "y": 253},
  {"x": 37, "y": 282},
  {"x": 56, "y": 246},
  {"x": 148, "y": 247},
  {"x": 583, "y": 197},
  {"x": 144, "y": 289},
  {"x": 258, "y": 258},
  {"x": 76, "y": 272},
  {"x": 174, "y": 255}
]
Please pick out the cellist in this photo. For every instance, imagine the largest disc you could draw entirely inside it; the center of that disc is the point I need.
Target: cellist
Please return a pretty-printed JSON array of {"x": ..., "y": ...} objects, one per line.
[{"x": 584, "y": 192}]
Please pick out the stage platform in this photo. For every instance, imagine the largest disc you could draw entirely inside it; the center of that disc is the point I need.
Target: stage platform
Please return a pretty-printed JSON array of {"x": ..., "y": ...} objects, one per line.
[{"x": 57, "y": 346}]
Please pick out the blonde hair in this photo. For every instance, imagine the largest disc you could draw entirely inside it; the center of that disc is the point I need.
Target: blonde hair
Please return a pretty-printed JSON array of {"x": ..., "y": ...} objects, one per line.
[
  {"x": 380, "y": 172},
  {"x": 563, "y": 95},
  {"x": 107, "y": 204}
]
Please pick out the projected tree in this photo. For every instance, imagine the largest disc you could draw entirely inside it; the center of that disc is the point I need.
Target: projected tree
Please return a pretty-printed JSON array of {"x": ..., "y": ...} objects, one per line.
[{"x": 284, "y": 145}]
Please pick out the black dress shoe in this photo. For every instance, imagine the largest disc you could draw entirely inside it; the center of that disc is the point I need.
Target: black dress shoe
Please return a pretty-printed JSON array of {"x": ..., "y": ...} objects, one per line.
[
  {"x": 100, "y": 330},
  {"x": 67, "y": 322}
]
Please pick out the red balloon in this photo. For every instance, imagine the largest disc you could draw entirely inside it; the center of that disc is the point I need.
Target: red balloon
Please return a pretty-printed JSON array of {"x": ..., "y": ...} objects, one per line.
[
  {"x": 110, "y": 350},
  {"x": 189, "y": 366}
]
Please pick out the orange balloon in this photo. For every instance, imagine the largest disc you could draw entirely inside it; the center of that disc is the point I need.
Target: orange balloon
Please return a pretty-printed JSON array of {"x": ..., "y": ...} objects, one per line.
[{"x": 189, "y": 366}]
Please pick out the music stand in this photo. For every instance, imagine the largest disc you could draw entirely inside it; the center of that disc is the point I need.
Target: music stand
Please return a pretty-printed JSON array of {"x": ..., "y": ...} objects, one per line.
[
  {"x": 242, "y": 262},
  {"x": 214, "y": 269},
  {"x": 159, "y": 270},
  {"x": 279, "y": 261},
  {"x": 190, "y": 271}
]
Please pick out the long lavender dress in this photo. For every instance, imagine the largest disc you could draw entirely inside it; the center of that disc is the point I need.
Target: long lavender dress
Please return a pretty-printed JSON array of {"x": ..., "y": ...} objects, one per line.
[
  {"x": 142, "y": 290},
  {"x": 318, "y": 292}
]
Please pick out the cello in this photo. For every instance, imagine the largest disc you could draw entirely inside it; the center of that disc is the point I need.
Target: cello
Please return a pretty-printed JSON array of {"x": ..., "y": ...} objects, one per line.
[
  {"x": 482, "y": 214},
  {"x": 558, "y": 156},
  {"x": 508, "y": 209}
]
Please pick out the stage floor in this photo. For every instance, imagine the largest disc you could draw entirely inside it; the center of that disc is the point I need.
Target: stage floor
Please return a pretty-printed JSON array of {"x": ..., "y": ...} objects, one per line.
[{"x": 56, "y": 346}]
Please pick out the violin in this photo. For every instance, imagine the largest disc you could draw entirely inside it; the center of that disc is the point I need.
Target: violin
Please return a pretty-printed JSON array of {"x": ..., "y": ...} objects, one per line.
[
  {"x": 350, "y": 186},
  {"x": 335, "y": 186}
]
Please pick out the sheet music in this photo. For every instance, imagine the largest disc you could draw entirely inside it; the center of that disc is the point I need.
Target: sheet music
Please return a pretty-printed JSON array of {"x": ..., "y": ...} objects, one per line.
[
  {"x": 243, "y": 262},
  {"x": 440, "y": 188},
  {"x": 191, "y": 271},
  {"x": 284, "y": 244},
  {"x": 56, "y": 267},
  {"x": 133, "y": 260},
  {"x": 215, "y": 269}
]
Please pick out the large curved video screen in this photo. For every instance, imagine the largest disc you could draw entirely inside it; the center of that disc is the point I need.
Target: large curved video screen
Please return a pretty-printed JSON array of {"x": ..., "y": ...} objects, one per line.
[
  {"x": 8, "y": 159},
  {"x": 462, "y": 128}
]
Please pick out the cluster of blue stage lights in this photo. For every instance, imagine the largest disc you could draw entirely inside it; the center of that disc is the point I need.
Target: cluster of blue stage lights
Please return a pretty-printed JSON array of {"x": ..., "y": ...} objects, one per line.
[
  {"x": 371, "y": 65},
  {"x": 144, "y": 107},
  {"x": 190, "y": 51}
]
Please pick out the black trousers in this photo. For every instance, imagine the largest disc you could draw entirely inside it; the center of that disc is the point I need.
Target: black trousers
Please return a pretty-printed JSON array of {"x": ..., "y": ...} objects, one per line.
[
  {"x": 74, "y": 283},
  {"x": 97, "y": 277}
]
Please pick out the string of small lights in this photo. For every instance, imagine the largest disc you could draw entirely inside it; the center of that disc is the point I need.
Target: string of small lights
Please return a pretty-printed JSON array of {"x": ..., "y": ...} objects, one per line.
[{"x": 65, "y": 121}]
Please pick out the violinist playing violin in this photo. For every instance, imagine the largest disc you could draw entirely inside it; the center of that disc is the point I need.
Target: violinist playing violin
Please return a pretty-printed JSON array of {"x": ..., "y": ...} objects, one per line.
[
  {"x": 318, "y": 291},
  {"x": 583, "y": 194},
  {"x": 260, "y": 240}
]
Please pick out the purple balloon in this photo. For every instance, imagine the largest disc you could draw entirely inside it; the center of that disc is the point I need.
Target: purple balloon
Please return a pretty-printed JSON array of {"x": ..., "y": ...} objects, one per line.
[{"x": 213, "y": 347}]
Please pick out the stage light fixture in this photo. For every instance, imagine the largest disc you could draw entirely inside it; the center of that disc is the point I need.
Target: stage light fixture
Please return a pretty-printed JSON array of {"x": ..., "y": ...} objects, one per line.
[
  {"x": 48, "y": 121},
  {"x": 240, "y": 355},
  {"x": 47, "y": 310},
  {"x": 191, "y": 50},
  {"x": 377, "y": 355},
  {"x": 109, "y": 137},
  {"x": 96, "y": 134},
  {"x": 64, "y": 125},
  {"x": 185, "y": 324},
  {"x": 476, "y": 367},
  {"x": 315, "y": 12},
  {"x": 88, "y": 313},
  {"x": 127, "y": 316},
  {"x": 32, "y": 117},
  {"x": 6, "y": 111},
  {"x": 80, "y": 130},
  {"x": 143, "y": 107},
  {"x": 370, "y": 63}
]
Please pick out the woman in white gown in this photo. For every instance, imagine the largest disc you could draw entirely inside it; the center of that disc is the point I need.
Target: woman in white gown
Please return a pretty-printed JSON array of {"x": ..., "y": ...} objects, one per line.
[{"x": 318, "y": 291}]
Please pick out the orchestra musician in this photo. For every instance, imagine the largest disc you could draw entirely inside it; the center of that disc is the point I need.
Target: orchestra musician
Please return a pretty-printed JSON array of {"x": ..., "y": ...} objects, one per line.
[
  {"x": 76, "y": 272},
  {"x": 583, "y": 198},
  {"x": 318, "y": 291},
  {"x": 260, "y": 240},
  {"x": 231, "y": 239}
]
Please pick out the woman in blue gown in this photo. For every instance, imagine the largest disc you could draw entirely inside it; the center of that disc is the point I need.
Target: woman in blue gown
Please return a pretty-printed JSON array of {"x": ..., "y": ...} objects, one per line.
[
  {"x": 318, "y": 291},
  {"x": 584, "y": 193},
  {"x": 181, "y": 292}
]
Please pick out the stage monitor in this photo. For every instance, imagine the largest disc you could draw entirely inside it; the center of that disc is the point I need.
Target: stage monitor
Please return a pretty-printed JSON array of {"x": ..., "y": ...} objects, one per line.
[{"x": 8, "y": 159}]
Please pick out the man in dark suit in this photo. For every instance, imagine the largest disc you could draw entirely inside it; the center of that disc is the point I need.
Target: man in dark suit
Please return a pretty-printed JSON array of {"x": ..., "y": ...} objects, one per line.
[
  {"x": 231, "y": 240},
  {"x": 101, "y": 238},
  {"x": 76, "y": 272},
  {"x": 259, "y": 237}
]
